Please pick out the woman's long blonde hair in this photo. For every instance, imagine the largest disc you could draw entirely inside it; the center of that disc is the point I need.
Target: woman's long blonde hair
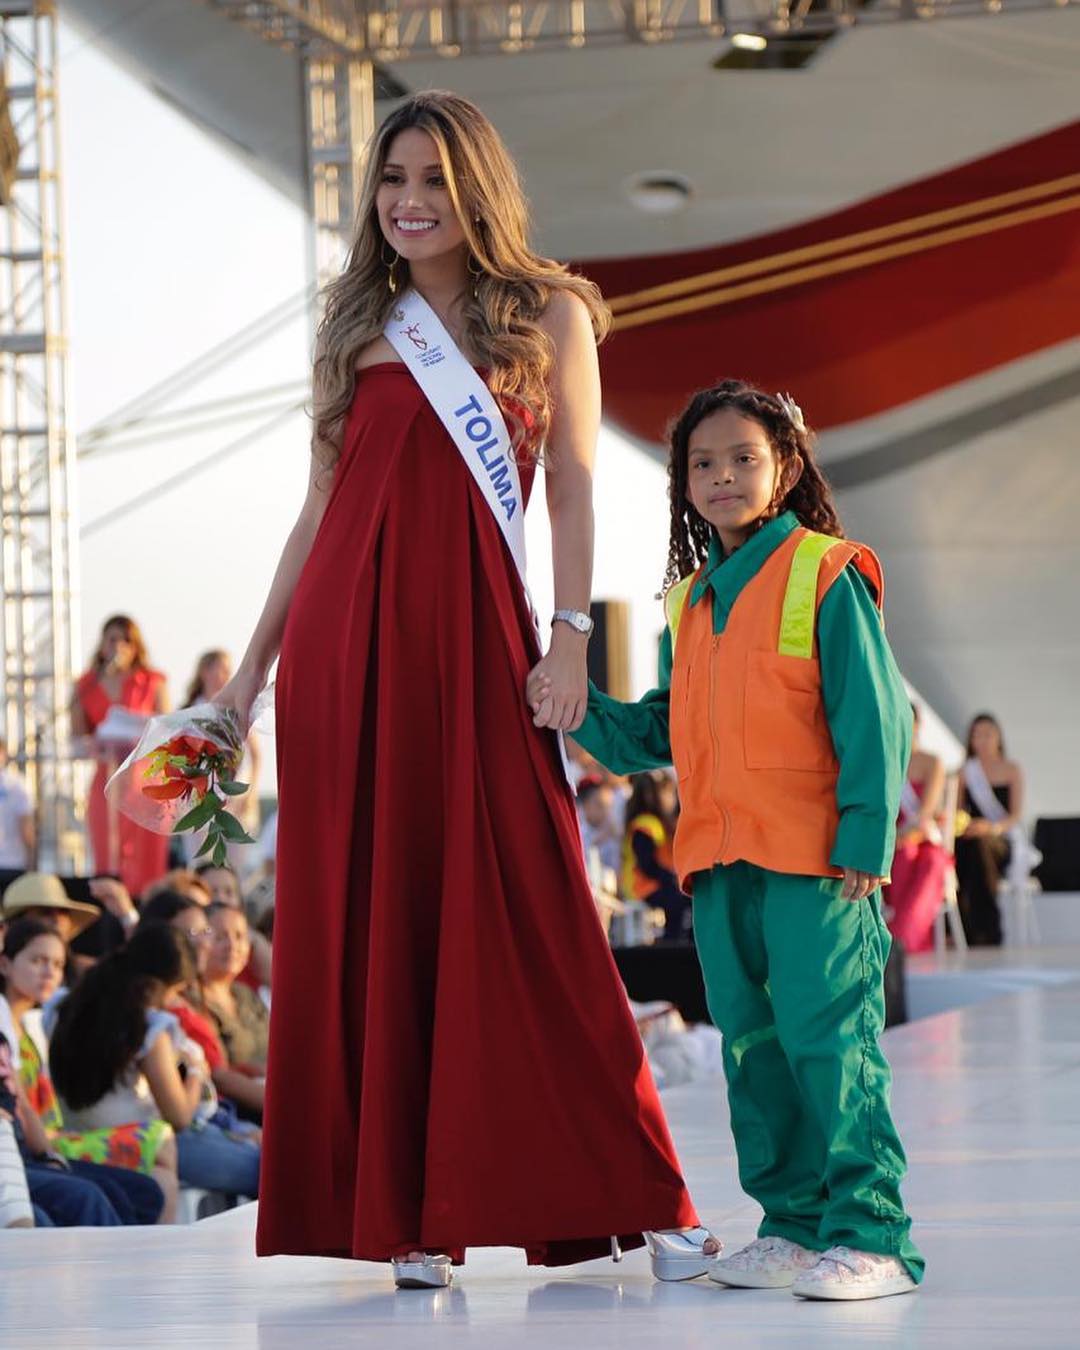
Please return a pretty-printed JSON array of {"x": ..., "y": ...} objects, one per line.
[{"x": 502, "y": 309}]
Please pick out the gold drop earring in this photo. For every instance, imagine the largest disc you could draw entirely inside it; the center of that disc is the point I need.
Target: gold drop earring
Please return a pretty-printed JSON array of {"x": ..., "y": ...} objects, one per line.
[
  {"x": 391, "y": 267},
  {"x": 476, "y": 273}
]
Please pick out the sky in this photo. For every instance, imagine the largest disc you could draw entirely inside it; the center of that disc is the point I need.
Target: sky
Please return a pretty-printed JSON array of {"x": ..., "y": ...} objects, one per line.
[{"x": 173, "y": 245}]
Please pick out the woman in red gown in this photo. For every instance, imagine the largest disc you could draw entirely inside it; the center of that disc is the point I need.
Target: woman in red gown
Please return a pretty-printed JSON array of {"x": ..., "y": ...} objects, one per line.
[
  {"x": 453, "y": 1062},
  {"x": 119, "y": 675}
]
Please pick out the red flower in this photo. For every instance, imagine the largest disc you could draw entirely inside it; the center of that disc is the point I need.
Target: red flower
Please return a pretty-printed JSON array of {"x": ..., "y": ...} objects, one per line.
[{"x": 166, "y": 792}]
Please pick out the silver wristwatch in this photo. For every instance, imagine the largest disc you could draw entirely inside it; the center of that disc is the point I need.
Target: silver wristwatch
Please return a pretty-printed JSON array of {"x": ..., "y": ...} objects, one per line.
[{"x": 580, "y": 623}]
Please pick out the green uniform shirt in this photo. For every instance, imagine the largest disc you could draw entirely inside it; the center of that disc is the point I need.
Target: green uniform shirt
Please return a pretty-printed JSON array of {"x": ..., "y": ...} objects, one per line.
[{"x": 866, "y": 704}]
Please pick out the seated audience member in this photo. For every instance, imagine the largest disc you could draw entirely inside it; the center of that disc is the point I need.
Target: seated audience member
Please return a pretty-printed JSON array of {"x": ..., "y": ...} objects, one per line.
[
  {"x": 118, "y": 1055},
  {"x": 181, "y": 879},
  {"x": 992, "y": 793},
  {"x": 597, "y": 820},
  {"x": 241, "y": 1015},
  {"x": 224, "y": 887},
  {"x": 39, "y": 895},
  {"x": 127, "y": 1173},
  {"x": 16, "y": 1210},
  {"x": 190, "y": 1007},
  {"x": 648, "y": 871},
  {"x": 920, "y": 864}
]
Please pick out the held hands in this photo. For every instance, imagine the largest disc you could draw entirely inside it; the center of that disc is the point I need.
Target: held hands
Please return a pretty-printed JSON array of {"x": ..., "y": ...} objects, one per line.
[
  {"x": 557, "y": 689},
  {"x": 858, "y": 885}
]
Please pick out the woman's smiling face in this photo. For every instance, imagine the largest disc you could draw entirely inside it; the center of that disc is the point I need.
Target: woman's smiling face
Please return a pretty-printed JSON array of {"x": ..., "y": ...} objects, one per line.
[{"x": 415, "y": 212}]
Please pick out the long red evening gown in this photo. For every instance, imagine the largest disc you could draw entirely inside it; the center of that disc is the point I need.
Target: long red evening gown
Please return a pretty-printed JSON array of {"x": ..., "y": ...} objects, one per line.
[
  {"x": 453, "y": 1062},
  {"x": 117, "y": 843}
]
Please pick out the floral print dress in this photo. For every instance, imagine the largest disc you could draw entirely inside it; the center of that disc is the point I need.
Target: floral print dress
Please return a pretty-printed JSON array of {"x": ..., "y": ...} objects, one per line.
[{"x": 135, "y": 1145}]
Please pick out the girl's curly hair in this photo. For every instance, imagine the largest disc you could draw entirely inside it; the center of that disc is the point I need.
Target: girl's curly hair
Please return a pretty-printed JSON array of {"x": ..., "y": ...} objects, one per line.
[{"x": 810, "y": 497}]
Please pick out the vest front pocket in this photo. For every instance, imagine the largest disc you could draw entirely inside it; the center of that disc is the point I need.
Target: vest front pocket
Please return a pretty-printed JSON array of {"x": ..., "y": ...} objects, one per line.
[{"x": 784, "y": 723}]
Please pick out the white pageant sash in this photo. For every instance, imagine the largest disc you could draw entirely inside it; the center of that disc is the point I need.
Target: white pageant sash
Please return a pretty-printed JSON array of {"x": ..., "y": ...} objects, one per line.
[
  {"x": 982, "y": 794},
  {"x": 468, "y": 410},
  {"x": 473, "y": 419},
  {"x": 910, "y": 803},
  {"x": 1024, "y": 855}
]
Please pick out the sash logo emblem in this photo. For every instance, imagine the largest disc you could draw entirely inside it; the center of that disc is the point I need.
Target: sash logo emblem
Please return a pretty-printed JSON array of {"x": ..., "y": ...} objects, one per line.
[{"x": 416, "y": 337}]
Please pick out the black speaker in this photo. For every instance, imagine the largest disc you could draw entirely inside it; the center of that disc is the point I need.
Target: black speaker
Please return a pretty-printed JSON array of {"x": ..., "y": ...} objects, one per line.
[
  {"x": 1058, "y": 839},
  {"x": 609, "y": 647}
]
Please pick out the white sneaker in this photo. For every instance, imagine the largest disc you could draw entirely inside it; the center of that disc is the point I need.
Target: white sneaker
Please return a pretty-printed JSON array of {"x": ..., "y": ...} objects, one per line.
[
  {"x": 842, "y": 1272},
  {"x": 766, "y": 1263}
]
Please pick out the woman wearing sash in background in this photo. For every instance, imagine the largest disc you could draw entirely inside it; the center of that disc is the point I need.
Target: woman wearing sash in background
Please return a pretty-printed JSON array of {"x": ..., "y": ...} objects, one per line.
[
  {"x": 992, "y": 794},
  {"x": 452, "y": 1059}
]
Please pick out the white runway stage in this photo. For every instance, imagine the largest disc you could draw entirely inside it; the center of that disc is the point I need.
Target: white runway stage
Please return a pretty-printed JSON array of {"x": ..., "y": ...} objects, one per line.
[{"x": 988, "y": 1099}]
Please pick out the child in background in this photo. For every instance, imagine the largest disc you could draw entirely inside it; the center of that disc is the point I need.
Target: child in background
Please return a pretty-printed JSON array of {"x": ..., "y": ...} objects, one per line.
[{"x": 783, "y": 711}]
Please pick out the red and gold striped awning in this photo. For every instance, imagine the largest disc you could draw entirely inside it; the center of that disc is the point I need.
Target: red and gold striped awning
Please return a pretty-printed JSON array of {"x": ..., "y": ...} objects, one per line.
[{"x": 865, "y": 309}]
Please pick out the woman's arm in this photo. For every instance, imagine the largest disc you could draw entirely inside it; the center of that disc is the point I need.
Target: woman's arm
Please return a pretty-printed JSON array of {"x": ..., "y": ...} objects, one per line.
[
  {"x": 162, "y": 702},
  {"x": 240, "y": 1087},
  {"x": 574, "y": 385},
  {"x": 80, "y": 726},
  {"x": 934, "y": 791},
  {"x": 37, "y": 1139},
  {"x": 176, "y": 1097},
  {"x": 251, "y": 673}
]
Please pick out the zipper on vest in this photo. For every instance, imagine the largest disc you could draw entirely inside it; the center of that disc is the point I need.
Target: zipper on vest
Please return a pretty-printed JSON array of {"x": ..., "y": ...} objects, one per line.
[{"x": 715, "y": 737}]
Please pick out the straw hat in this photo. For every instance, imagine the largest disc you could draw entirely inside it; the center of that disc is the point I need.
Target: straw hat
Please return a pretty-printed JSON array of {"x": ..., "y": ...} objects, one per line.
[{"x": 40, "y": 890}]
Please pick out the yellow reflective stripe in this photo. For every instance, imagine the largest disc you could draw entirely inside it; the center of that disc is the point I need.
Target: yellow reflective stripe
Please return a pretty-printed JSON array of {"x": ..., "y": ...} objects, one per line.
[
  {"x": 800, "y": 597},
  {"x": 674, "y": 605}
]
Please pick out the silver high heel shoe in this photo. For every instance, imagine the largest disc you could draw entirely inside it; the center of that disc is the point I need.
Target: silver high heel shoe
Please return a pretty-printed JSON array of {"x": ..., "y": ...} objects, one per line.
[
  {"x": 433, "y": 1272},
  {"x": 682, "y": 1256}
]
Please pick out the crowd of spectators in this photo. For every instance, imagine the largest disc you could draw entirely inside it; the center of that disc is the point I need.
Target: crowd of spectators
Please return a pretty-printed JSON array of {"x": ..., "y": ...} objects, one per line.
[{"x": 134, "y": 1075}]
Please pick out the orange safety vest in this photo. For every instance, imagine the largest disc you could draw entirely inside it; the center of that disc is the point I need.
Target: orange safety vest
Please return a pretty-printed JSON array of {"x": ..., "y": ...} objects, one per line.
[
  {"x": 749, "y": 737},
  {"x": 635, "y": 883}
]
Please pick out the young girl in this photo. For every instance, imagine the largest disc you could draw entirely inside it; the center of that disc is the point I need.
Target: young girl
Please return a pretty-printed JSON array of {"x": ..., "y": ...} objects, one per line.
[
  {"x": 787, "y": 721},
  {"x": 452, "y": 1062},
  {"x": 116, "y": 1055}
]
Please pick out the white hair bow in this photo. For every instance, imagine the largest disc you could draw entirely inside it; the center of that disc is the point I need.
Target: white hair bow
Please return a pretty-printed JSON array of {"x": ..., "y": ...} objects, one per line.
[{"x": 793, "y": 412}]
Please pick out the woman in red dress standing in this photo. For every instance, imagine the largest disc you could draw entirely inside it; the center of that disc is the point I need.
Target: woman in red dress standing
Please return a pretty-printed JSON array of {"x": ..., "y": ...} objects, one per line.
[
  {"x": 453, "y": 1062},
  {"x": 121, "y": 676}
]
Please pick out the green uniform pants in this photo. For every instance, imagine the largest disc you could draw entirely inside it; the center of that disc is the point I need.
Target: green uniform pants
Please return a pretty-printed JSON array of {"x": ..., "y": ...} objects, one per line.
[{"x": 794, "y": 979}]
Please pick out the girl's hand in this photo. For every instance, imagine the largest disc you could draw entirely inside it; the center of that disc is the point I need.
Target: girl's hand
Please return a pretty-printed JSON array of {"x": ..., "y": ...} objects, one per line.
[
  {"x": 858, "y": 885},
  {"x": 557, "y": 689},
  {"x": 239, "y": 694}
]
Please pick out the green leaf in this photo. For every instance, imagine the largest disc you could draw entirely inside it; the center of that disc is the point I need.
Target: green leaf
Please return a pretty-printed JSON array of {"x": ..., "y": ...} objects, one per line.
[
  {"x": 198, "y": 816},
  {"x": 232, "y": 789},
  {"x": 207, "y": 845},
  {"x": 232, "y": 829},
  {"x": 220, "y": 854}
]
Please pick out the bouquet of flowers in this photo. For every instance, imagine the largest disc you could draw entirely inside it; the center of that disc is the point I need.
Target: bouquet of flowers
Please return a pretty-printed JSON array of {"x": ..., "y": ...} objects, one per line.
[{"x": 181, "y": 775}]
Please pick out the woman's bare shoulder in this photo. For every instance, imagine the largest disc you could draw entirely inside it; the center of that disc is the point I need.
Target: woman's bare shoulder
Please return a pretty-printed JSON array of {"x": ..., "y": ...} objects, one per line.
[{"x": 564, "y": 313}]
